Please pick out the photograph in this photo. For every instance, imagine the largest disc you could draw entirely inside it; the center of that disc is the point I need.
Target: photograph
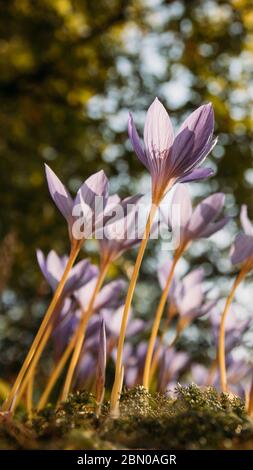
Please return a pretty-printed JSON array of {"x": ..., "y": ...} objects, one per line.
[{"x": 126, "y": 232}]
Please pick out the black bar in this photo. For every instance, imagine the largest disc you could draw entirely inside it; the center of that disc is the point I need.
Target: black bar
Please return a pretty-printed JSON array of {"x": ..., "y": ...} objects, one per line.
[{"x": 115, "y": 458}]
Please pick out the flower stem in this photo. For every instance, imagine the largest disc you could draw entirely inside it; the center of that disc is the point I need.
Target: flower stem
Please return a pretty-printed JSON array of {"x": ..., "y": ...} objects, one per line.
[
  {"x": 118, "y": 369},
  {"x": 31, "y": 372},
  {"x": 81, "y": 334},
  {"x": 221, "y": 344},
  {"x": 73, "y": 255},
  {"x": 156, "y": 324},
  {"x": 29, "y": 397},
  {"x": 56, "y": 372}
]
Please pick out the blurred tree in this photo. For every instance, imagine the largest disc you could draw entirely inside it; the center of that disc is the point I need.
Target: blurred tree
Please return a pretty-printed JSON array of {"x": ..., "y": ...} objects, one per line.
[{"x": 69, "y": 72}]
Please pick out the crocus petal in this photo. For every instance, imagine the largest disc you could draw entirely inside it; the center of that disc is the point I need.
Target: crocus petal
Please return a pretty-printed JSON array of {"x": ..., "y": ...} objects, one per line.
[
  {"x": 196, "y": 174},
  {"x": 242, "y": 249},
  {"x": 158, "y": 132},
  {"x": 136, "y": 143},
  {"x": 205, "y": 213},
  {"x": 109, "y": 295},
  {"x": 214, "y": 227},
  {"x": 59, "y": 194},
  {"x": 80, "y": 274},
  {"x": 245, "y": 222},
  {"x": 181, "y": 208},
  {"x": 92, "y": 197}
]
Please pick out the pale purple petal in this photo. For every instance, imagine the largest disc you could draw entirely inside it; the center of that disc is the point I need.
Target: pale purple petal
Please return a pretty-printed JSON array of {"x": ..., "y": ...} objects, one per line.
[
  {"x": 110, "y": 294},
  {"x": 196, "y": 175},
  {"x": 158, "y": 131},
  {"x": 214, "y": 227},
  {"x": 245, "y": 222},
  {"x": 59, "y": 194},
  {"x": 92, "y": 197},
  {"x": 181, "y": 208},
  {"x": 205, "y": 213},
  {"x": 136, "y": 143},
  {"x": 242, "y": 249}
]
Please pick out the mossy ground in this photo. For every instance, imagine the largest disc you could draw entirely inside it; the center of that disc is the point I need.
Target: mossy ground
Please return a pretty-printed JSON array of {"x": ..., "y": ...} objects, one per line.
[{"x": 194, "y": 419}]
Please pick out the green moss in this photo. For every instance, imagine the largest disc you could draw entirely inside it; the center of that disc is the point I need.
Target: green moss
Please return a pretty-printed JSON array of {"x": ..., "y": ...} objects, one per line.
[{"x": 192, "y": 419}]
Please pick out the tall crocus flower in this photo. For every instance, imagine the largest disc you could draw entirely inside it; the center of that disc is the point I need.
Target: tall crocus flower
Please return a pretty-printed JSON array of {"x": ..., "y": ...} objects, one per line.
[
  {"x": 169, "y": 160},
  {"x": 85, "y": 211},
  {"x": 190, "y": 225},
  {"x": 172, "y": 159},
  {"x": 242, "y": 254}
]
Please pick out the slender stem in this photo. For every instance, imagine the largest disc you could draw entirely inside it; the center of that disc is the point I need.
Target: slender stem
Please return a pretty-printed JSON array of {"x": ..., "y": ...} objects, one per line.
[
  {"x": 29, "y": 397},
  {"x": 130, "y": 293},
  {"x": 31, "y": 372},
  {"x": 81, "y": 334},
  {"x": 221, "y": 343},
  {"x": 156, "y": 324},
  {"x": 56, "y": 372},
  {"x": 73, "y": 255}
]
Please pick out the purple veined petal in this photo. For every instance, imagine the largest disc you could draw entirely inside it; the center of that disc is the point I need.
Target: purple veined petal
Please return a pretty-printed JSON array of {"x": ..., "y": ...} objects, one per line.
[
  {"x": 201, "y": 123},
  {"x": 181, "y": 207},
  {"x": 214, "y": 227},
  {"x": 245, "y": 222},
  {"x": 158, "y": 132},
  {"x": 196, "y": 174},
  {"x": 136, "y": 142},
  {"x": 181, "y": 151},
  {"x": 242, "y": 249},
  {"x": 205, "y": 212},
  {"x": 59, "y": 194},
  {"x": 135, "y": 326}
]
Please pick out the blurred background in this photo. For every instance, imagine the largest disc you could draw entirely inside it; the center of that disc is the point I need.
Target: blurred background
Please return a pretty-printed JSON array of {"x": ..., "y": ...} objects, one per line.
[{"x": 70, "y": 70}]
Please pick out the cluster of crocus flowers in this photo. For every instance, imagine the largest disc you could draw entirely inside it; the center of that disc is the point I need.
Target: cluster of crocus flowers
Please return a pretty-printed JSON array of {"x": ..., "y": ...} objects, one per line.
[
  {"x": 88, "y": 318},
  {"x": 241, "y": 254}
]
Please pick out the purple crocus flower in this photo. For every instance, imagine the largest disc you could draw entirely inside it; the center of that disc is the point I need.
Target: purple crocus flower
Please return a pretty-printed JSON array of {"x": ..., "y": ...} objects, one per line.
[
  {"x": 52, "y": 267},
  {"x": 168, "y": 159},
  {"x": 109, "y": 296},
  {"x": 122, "y": 235},
  {"x": 186, "y": 296},
  {"x": 242, "y": 248},
  {"x": 192, "y": 224},
  {"x": 84, "y": 213}
]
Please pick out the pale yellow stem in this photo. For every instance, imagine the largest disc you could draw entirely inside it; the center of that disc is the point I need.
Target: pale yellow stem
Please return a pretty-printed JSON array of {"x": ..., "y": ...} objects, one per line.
[
  {"x": 81, "y": 334},
  {"x": 29, "y": 397},
  {"x": 156, "y": 324},
  {"x": 56, "y": 372},
  {"x": 73, "y": 255},
  {"x": 130, "y": 293},
  {"x": 31, "y": 372},
  {"x": 221, "y": 343}
]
